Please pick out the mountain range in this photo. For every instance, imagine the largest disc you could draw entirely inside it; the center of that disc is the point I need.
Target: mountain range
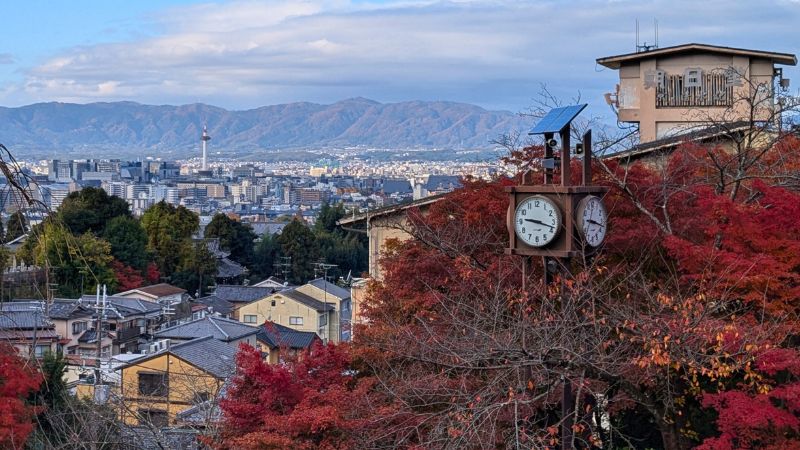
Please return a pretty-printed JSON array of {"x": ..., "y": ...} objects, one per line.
[{"x": 129, "y": 126}]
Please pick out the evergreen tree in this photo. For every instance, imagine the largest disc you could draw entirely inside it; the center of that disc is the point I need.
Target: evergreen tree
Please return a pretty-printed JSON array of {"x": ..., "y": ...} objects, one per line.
[
  {"x": 91, "y": 209},
  {"x": 128, "y": 241},
  {"x": 266, "y": 251},
  {"x": 234, "y": 237},
  {"x": 298, "y": 242},
  {"x": 169, "y": 231},
  {"x": 197, "y": 269},
  {"x": 17, "y": 226}
]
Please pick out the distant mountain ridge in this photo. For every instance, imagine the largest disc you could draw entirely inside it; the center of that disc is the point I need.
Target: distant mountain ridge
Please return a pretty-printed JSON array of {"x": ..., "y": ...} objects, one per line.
[{"x": 356, "y": 121}]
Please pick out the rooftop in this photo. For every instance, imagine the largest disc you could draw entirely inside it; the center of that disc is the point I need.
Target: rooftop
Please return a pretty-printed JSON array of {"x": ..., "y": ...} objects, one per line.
[
  {"x": 157, "y": 290},
  {"x": 222, "y": 329},
  {"x": 307, "y": 300},
  {"x": 275, "y": 335},
  {"x": 330, "y": 288},
  {"x": 208, "y": 354},
  {"x": 242, "y": 294},
  {"x": 614, "y": 62}
]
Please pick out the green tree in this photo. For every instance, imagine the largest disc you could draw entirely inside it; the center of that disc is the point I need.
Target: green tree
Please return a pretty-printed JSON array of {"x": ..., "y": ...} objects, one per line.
[
  {"x": 234, "y": 237},
  {"x": 128, "y": 241},
  {"x": 17, "y": 226},
  {"x": 298, "y": 242},
  {"x": 169, "y": 230},
  {"x": 78, "y": 262},
  {"x": 264, "y": 255},
  {"x": 328, "y": 216},
  {"x": 91, "y": 209},
  {"x": 197, "y": 268}
]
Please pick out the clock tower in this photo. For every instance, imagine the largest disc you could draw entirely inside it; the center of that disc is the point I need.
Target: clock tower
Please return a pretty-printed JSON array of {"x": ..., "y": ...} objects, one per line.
[{"x": 557, "y": 221}]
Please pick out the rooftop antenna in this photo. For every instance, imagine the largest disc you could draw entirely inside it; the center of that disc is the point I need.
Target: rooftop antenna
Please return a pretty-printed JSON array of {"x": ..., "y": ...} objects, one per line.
[{"x": 643, "y": 46}]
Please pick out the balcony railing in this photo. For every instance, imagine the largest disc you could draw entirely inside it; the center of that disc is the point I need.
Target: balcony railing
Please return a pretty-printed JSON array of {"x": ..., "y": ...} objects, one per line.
[{"x": 714, "y": 91}]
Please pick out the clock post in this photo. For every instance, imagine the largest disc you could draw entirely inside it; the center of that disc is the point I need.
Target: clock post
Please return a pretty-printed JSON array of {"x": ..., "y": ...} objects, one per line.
[{"x": 557, "y": 221}]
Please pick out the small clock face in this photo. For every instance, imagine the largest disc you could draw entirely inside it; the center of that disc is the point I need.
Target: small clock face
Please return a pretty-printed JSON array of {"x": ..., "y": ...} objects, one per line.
[
  {"x": 592, "y": 220},
  {"x": 537, "y": 221}
]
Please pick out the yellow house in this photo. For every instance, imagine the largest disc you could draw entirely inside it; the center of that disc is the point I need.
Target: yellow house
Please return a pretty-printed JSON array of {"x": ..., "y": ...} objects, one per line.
[
  {"x": 155, "y": 388},
  {"x": 297, "y": 310}
]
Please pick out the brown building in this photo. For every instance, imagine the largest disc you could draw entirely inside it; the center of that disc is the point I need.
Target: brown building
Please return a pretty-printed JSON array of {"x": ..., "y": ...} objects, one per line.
[{"x": 672, "y": 90}]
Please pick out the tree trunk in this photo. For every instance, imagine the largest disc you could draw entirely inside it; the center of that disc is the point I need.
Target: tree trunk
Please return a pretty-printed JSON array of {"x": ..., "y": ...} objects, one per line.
[{"x": 670, "y": 437}]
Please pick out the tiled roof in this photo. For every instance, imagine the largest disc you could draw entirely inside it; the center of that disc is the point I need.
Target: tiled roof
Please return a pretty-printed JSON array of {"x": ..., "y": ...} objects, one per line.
[
  {"x": 126, "y": 306},
  {"x": 21, "y": 315},
  {"x": 209, "y": 354},
  {"x": 242, "y": 294},
  {"x": 90, "y": 336},
  {"x": 330, "y": 288},
  {"x": 216, "y": 304},
  {"x": 227, "y": 268},
  {"x": 307, "y": 300},
  {"x": 275, "y": 335},
  {"x": 220, "y": 328},
  {"x": 159, "y": 290},
  {"x": 206, "y": 353}
]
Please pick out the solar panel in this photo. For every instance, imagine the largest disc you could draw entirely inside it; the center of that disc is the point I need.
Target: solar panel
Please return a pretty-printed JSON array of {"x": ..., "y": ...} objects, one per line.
[{"x": 558, "y": 118}]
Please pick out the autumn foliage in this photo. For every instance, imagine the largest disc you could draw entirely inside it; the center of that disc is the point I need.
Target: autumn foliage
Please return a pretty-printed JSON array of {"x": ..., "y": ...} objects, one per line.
[
  {"x": 310, "y": 402},
  {"x": 681, "y": 333},
  {"x": 17, "y": 381}
]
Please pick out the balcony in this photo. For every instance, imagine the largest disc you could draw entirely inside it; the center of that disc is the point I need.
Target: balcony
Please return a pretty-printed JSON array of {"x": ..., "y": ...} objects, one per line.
[{"x": 128, "y": 334}]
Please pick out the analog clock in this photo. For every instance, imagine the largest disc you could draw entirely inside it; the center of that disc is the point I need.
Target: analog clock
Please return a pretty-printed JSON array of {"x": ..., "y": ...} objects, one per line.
[
  {"x": 592, "y": 220},
  {"x": 537, "y": 221}
]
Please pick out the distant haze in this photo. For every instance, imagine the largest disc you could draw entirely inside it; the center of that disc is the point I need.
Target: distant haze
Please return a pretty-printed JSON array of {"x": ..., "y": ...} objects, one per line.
[{"x": 126, "y": 127}]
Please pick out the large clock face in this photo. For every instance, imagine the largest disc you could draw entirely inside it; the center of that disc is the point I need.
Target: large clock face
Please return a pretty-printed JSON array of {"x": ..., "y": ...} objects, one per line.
[
  {"x": 592, "y": 220},
  {"x": 537, "y": 221}
]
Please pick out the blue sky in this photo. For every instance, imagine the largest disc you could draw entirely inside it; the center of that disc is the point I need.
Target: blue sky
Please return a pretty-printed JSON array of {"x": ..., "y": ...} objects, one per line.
[{"x": 244, "y": 54}]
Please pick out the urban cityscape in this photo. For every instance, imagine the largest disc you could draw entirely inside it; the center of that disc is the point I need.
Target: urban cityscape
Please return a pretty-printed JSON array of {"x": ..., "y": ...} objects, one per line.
[{"x": 239, "y": 225}]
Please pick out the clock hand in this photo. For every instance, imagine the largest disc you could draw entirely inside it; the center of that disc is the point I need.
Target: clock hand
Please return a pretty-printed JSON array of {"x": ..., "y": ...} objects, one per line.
[
  {"x": 594, "y": 222},
  {"x": 540, "y": 223}
]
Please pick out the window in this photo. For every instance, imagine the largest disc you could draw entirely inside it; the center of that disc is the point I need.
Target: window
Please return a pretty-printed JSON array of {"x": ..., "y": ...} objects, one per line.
[
  {"x": 200, "y": 397},
  {"x": 153, "y": 384},
  {"x": 250, "y": 318},
  {"x": 78, "y": 327},
  {"x": 40, "y": 350},
  {"x": 692, "y": 78},
  {"x": 295, "y": 320},
  {"x": 153, "y": 417},
  {"x": 323, "y": 319},
  {"x": 273, "y": 302}
]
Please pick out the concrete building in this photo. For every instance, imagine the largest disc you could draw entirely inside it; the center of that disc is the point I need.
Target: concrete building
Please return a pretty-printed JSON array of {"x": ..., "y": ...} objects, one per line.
[{"x": 672, "y": 90}]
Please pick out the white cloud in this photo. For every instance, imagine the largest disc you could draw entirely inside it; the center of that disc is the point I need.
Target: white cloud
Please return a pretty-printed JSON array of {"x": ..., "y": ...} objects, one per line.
[{"x": 246, "y": 54}]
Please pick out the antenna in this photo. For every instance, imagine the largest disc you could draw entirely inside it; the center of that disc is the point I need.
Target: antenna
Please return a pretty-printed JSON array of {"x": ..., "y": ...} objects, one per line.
[
  {"x": 655, "y": 27},
  {"x": 637, "y": 35}
]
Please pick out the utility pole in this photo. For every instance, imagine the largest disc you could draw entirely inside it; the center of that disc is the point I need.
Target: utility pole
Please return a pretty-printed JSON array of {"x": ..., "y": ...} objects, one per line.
[
  {"x": 322, "y": 267},
  {"x": 100, "y": 309}
]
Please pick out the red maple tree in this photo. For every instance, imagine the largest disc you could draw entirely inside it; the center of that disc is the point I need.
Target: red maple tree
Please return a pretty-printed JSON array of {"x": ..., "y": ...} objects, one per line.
[{"x": 17, "y": 382}]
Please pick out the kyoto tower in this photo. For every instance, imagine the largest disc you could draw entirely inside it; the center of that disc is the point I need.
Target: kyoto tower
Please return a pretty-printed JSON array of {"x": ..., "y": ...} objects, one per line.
[{"x": 205, "y": 138}]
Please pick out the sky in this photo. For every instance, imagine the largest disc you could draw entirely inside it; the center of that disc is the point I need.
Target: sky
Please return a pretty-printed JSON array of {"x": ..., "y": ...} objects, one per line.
[{"x": 246, "y": 54}]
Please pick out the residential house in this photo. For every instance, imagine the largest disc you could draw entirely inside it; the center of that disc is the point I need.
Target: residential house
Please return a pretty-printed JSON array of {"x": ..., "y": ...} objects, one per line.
[
  {"x": 212, "y": 305},
  {"x": 297, "y": 310},
  {"x": 130, "y": 320},
  {"x": 163, "y": 293},
  {"x": 275, "y": 283},
  {"x": 226, "y": 330},
  {"x": 25, "y": 326},
  {"x": 277, "y": 342},
  {"x": 157, "y": 387},
  {"x": 241, "y": 295},
  {"x": 328, "y": 292},
  {"x": 228, "y": 270},
  {"x": 75, "y": 323}
]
